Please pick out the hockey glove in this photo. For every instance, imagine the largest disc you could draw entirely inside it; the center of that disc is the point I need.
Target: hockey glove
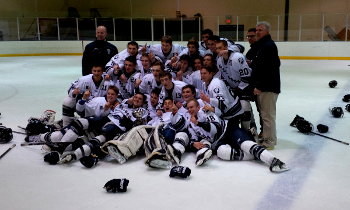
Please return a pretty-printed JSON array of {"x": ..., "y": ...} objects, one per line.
[
  {"x": 117, "y": 185},
  {"x": 180, "y": 171}
]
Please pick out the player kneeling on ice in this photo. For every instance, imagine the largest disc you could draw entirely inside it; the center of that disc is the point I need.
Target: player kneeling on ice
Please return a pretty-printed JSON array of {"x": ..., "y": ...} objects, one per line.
[{"x": 238, "y": 145}]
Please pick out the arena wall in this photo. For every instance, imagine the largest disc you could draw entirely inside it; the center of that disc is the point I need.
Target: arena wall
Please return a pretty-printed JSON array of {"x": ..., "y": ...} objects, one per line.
[{"x": 287, "y": 50}]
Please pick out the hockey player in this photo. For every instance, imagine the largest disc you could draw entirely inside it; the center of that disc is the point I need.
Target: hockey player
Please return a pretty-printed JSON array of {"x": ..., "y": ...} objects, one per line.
[
  {"x": 152, "y": 103},
  {"x": 238, "y": 145},
  {"x": 196, "y": 74},
  {"x": 145, "y": 67},
  {"x": 218, "y": 96},
  {"x": 204, "y": 129},
  {"x": 184, "y": 71},
  {"x": 95, "y": 110},
  {"x": 132, "y": 78},
  {"x": 117, "y": 61},
  {"x": 151, "y": 81},
  {"x": 123, "y": 118},
  {"x": 166, "y": 50},
  {"x": 94, "y": 83},
  {"x": 206, "y": 33},
  {"x": 192, "y": 50},
  {"x": 171, "y": 88},
  {"x": 236, "y": 74}
]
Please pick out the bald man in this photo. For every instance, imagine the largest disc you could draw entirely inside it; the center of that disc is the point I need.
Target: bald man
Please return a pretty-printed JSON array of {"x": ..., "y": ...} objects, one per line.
[{"x": 98, "y": 52}]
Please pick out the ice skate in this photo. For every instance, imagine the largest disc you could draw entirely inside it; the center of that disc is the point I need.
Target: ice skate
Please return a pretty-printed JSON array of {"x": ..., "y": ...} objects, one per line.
[
  {"x": 203, "y": 155},
  {"x": 278, "y": 166}
]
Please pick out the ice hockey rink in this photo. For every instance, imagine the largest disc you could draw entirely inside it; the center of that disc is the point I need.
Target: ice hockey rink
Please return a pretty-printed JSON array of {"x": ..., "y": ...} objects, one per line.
[{"x": 318, "y": 179}]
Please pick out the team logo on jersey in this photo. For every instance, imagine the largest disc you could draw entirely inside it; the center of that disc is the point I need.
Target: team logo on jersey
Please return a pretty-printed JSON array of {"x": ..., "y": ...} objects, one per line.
[
  {"x": 216, "y": 90},
  {"x": 240, "y": 60}
]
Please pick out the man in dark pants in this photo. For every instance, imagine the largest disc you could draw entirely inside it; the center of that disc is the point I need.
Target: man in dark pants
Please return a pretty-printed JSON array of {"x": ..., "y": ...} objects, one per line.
[
  {"x": 267, "y": 82},
  {"x": 98, "y": 52}
]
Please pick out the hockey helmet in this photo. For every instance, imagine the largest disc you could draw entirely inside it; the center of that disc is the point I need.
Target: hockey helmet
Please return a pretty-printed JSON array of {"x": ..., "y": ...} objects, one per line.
[
  {"x": 5, "y": 134},
  {"x": 346, "y": 98},
  {"x": 337, "y": 112},
  {"x": 332, "y": 83}
]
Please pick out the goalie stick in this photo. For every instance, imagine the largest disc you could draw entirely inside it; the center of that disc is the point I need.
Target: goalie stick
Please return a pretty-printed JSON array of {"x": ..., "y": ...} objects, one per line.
[
  {"x": 306, "y": 127},
  {"x": 11, "y": 147}
]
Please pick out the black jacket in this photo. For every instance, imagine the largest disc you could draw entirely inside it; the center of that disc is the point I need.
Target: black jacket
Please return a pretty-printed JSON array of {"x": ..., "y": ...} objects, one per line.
[
  {"x": 266, "y": 66},
  {"x": 97, "y": 52}
]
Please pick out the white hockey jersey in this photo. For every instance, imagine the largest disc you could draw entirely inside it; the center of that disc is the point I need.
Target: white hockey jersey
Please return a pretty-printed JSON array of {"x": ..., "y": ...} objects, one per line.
[
  {"x": 176, "y": 93},
  {"x": 156, "y": 49},
  {"x": 93, "y": 107},
  {"x": 125, "y": 110},
  {"x": 127, "y": 89},
  {"x": 235, "y": 71},
  {"x": 209, "y": 128},
  {"x": 224, "y": 99},
  {"x": 165, "y": 118},
  {"x": 119, "y": 60},
  {"x": 148, "y": 84},
  {"x": 86, "y": 83}
]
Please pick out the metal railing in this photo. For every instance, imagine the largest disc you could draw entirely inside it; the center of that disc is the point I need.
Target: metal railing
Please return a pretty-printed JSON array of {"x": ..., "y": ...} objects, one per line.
[{"x": 305, "y": 27}]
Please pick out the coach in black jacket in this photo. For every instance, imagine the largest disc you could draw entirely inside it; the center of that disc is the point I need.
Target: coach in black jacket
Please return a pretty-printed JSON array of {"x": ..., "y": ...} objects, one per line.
[
  {"x": 267, "y": 82},
  {"x": 98, "y": 52}
]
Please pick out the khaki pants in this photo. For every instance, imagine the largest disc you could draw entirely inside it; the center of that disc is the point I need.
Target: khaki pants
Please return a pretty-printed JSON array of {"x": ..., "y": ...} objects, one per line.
[{"x": 267, "y": 103}]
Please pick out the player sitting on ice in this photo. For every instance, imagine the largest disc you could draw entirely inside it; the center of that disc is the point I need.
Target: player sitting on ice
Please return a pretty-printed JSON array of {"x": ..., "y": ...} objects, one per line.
[
  {"x": 127, "y": 145},
  {"x": 130, "y": 113},
  {"x": 96, "y": 111}
]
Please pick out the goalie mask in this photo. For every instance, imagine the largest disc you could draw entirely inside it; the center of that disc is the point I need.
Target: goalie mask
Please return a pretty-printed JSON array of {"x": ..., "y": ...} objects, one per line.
[{"x": 5, "y": 134}]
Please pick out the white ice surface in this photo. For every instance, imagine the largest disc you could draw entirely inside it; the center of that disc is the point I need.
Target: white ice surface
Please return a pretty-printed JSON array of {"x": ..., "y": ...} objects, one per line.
[{"x": 318, "y": 179}]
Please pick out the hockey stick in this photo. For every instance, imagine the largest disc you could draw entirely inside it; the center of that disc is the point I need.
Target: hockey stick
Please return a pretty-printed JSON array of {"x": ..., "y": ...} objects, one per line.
[
  {"x": 343, "y": 142},
  {"x": 3, "y": 154},
  {"x": 21, "y": 127},
  {"x": 19, "y": 132}
]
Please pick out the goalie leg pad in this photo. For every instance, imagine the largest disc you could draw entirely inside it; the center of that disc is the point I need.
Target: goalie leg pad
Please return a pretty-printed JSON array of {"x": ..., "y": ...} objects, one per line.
[{"x": 129, "y": 143}]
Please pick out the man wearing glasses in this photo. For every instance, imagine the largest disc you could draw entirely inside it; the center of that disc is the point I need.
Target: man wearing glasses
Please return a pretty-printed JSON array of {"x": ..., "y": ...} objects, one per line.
[{"x": 251, "y": 37}]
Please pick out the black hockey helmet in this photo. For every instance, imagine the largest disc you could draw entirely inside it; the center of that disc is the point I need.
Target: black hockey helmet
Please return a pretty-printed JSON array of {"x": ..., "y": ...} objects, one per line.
[
  {"x": 346, "y": 98},
  {"x": 5, "y": 134},
  {"x": 337, "y": 112},
  {"x": 322, "y": 128},
  {"x": 332, "y": 83}
]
